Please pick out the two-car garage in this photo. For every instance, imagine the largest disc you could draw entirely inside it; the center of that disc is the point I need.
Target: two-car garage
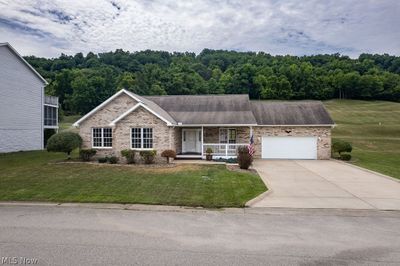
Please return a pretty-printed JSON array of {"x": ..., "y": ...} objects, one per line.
[
  {"x": 288, "y": 147},
  {"x": 292, "y": 130}
]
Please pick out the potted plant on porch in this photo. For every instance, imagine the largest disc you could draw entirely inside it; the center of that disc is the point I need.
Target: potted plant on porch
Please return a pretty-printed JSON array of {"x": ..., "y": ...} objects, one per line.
[{"x": 209, "y": 155}]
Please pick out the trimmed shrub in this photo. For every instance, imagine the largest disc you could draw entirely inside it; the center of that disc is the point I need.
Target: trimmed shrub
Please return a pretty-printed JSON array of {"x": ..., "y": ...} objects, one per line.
[
  {"x": 168, "y": 154},
  {"x": 113, "y": 160},
  {"x": 345, "y": 157},
  {"x": 339, "y": 146},
  {"x": 244, "y": 158},
  {"x": 87, "y": 154},
  {"x": 129, "y": 155},
  {"x": 102, "y": 159},
  {"x": 148, "y": 156},
  {"x": 64, "y": 142},
  {"x": 209, "y": 150}
]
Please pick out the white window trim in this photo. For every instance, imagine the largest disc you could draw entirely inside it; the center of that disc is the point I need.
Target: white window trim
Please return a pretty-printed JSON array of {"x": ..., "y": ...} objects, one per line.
[
  {"x": 227, "y": 134},
  {"x": 102, "y": 139},
  {"x": 141, "y": 139}
]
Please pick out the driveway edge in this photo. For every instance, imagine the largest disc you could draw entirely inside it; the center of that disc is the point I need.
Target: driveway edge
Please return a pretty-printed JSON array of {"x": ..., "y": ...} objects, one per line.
[
  {"x": 367, "y": 170},
  {"x": 263, "y": 195}
]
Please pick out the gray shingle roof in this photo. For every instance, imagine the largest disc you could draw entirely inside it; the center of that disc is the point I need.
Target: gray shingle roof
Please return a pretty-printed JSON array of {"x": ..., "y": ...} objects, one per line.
[
  {"x": 156, "y": 108},
  {"x": 207, "y": 109},
  {"x": 290, "y": 113}
]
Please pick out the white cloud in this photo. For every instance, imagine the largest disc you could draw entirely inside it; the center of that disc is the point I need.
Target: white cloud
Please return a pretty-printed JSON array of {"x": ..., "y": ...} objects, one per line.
[{"x": 47, "y": 28}]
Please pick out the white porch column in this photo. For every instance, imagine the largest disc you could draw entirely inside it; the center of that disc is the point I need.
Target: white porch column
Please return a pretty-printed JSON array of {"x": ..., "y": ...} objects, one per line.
[
  {"x": 251, "y": 133},
  {"x": 202, "y": 141}
]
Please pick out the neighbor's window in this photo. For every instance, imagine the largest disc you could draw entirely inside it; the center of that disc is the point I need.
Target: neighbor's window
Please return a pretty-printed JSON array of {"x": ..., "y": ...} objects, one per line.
[
  {"x": 50, "y": 116},
  {"x": 102, "y": 137},
  {"x": 142, "y": 138}
]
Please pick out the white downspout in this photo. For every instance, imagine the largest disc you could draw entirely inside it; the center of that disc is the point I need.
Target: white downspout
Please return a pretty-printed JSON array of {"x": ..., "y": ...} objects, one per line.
[{"x": 202, "y": 142}]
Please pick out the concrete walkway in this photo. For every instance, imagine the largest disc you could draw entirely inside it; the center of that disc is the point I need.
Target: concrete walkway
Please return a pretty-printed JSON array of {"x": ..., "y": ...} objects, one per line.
[{"x": 325, "y": 184}]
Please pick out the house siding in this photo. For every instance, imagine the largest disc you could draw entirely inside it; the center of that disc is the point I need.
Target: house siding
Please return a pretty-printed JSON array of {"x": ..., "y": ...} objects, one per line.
[
  {"x": 211, "y": 134},
  {"x": 102, "y": 118},
  {"x": 163, "y": 136},
  {"x": 323, "y": 134},
  {"x": 21, "y": 105}
]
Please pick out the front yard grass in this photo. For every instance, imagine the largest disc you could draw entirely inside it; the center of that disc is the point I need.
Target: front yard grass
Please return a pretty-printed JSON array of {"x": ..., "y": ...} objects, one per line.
[
  {"x": 373, "y": 128},
  {"x": 36, "y": 176}
]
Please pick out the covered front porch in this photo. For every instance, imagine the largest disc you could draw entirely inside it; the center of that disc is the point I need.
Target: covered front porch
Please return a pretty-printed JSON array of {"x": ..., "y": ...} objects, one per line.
[{"x": 193, "y": 142}]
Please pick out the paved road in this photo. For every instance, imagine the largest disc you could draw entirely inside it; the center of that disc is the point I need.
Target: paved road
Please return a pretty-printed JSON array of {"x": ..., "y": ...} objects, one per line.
[
  {"x": 86, "y": 236},
  {"x": 325, "y": 184}
]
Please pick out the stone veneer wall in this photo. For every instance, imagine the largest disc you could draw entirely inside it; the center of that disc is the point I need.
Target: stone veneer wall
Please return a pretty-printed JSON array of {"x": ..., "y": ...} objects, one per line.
[
  {"x": 211, "y": 134},
  {"x": 102, "y": 118},
  {"x": 163, "y": 136},
  {"x": 323, "y": 143}
]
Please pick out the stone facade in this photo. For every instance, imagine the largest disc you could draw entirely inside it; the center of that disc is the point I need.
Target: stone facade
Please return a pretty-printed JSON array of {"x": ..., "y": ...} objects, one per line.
[
  {"x": 102, "y": 118},
  {"x": 323, "y": 134},
  {"x": 165, "y": 137},
  {"x": 211, "y": 134}
]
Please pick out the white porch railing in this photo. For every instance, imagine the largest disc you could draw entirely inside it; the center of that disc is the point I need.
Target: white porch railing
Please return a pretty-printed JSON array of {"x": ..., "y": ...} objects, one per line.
[{"x": 222, "y": 150}]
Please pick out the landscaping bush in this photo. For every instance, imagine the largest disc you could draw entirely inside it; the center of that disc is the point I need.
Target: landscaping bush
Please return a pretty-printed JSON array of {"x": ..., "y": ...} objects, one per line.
[
  {"x": 345, "y": 157},
  {"x": 148, "y": 156},
  {"x": 209, "y": 155},
  {"x": 168, "y": 154},
  {"x": 102, "y": 159},
  {"x": 113, "y": 160},
  {"x": 229, "y": 160},
  {"x": 64, "y": 142},
  {"x": 129, "y": 155},
  {"x": 87, "y": 154},
  {"x": 244, "y": 158},
  {"x": 339, "y": 146}
]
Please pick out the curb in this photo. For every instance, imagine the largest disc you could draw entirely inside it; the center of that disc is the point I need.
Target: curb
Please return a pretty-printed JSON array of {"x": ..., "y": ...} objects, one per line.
[{"x": 117, "y": 206}]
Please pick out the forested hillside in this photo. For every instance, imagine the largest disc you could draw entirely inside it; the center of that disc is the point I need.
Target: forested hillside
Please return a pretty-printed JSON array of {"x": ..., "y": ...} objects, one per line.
[{"x": 82, "y": 82}]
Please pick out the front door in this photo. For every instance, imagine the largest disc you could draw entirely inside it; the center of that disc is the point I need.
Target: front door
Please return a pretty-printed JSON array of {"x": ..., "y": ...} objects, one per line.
[{"x": 191, "y": 140}]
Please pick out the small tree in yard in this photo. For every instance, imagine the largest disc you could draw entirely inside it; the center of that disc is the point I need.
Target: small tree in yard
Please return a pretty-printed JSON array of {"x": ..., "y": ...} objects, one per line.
[
  {"x": 168, "y": 154},
  {"x": 64, "y": 142},
  {"x": 244, "y": 158}
]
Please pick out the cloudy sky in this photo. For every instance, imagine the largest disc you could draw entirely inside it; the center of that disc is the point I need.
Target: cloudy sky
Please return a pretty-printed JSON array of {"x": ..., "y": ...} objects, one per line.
[{"x": 298, "y": 27}]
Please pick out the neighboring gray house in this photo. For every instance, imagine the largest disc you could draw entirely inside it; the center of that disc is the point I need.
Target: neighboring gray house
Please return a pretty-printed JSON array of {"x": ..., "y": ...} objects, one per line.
[
  {"x": 25, "y": 112},
  {"x": 189, "y": 124}
]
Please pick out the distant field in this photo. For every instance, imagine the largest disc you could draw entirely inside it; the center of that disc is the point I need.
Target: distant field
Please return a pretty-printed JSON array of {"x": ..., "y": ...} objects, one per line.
[
  {"x": 373, "y": 127},
  {"x": 67, "y": 121}
]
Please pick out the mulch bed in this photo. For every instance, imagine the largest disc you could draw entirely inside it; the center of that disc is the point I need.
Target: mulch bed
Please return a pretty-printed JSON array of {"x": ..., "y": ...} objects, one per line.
[{"x": 139, "y": 165}]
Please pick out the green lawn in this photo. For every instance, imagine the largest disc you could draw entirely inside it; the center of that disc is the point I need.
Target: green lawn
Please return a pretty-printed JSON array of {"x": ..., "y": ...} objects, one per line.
[
  {"x": 34, "y": 176},
  {"x": 373, "y": 128}
]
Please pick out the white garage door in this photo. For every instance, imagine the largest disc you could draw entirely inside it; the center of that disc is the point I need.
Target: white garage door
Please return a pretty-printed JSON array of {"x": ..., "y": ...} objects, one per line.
[{"x": 289, "y": 148}]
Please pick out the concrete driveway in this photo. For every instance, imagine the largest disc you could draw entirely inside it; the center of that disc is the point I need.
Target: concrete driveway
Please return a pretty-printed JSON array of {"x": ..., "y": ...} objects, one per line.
[{"x": 324, "y": 184}]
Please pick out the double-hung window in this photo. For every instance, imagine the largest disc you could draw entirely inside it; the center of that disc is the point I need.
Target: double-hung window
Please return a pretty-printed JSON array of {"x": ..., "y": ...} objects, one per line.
[
  {"x": 142, "y": 138},
  {"x": 227, "y": 135},
  {"x": 102, "y": 137}
]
